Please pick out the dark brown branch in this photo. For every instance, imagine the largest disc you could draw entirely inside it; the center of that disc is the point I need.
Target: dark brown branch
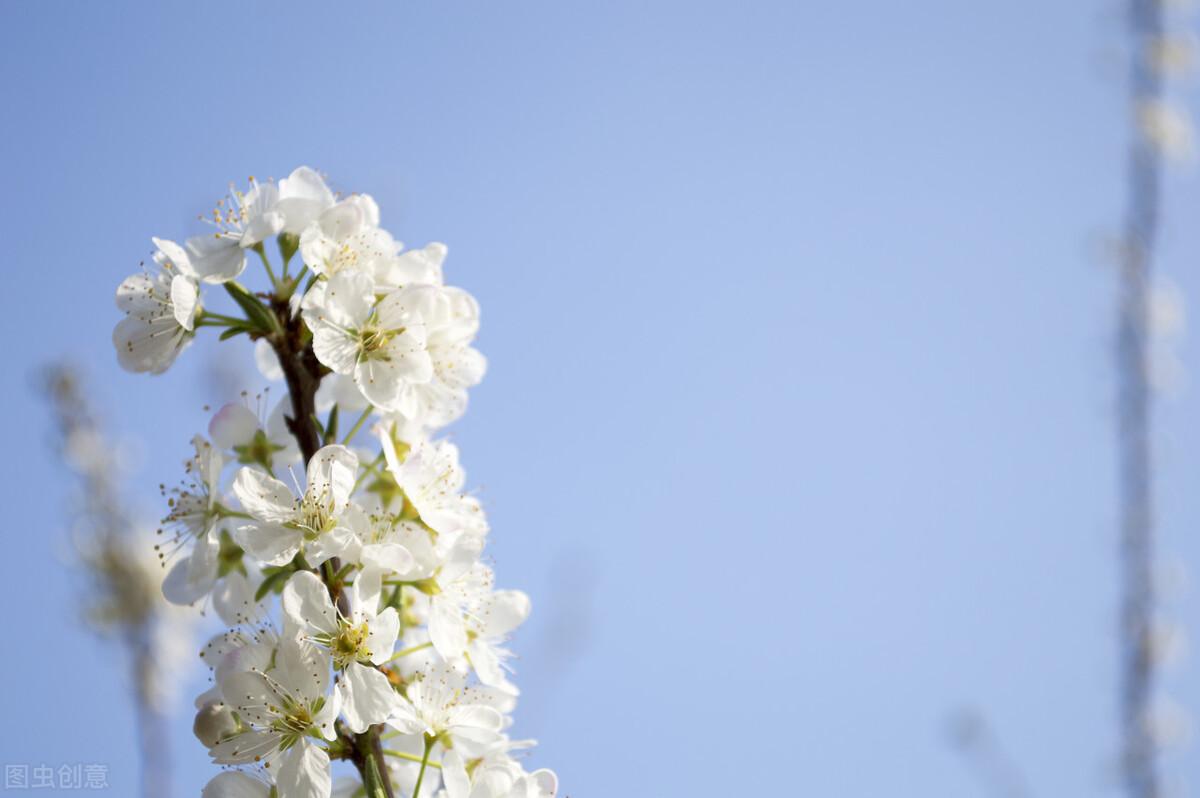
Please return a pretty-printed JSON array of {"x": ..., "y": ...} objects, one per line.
[{"x": 303, "y": 373}]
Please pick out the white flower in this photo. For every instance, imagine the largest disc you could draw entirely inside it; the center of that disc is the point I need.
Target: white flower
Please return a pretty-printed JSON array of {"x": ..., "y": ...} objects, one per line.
[
  {"x": 432, "y": 481},
  {"x": 283, "y": 709},
  {"x": 439, "y": 704},
  {"x": 161, "y": 312},
  {"x": 192, "y": 521},
  {"x": 382, "y": 344},
  {"x": 495, "y": 781},
  {"x": 367, "y": 697},
  {"x": 237, "y": 428},
  {"x": 284, "y": 524},
  {"x": 303, "y": 196},
  {"x": 414, "y": 266},
  {"x": 451, "y": 318},
  {"x": 242, "y": 221},
  {"x": 347, "y": 236}
]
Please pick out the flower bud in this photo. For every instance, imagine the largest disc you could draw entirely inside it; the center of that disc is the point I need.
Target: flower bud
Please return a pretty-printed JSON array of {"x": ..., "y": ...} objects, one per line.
[{"x": 214, "y": 722}]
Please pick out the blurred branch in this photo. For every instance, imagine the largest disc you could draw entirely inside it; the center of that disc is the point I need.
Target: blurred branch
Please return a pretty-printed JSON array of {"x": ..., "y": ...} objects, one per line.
[
  {"x": 999, "y": 774},
  {"x": 123, "y": 572},
  {"x": 1136, "y": 548}
]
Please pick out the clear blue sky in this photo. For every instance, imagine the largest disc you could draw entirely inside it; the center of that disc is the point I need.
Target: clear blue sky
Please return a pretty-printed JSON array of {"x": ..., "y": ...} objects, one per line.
[{"x": 797, "y": 424}]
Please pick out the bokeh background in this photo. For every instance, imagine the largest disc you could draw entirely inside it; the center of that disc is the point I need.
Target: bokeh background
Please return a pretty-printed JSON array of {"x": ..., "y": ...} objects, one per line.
[{"x": 798, "y": 424}]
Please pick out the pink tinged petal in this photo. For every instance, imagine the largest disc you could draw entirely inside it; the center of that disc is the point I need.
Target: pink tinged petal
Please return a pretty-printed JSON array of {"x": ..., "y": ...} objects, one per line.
[
  {"x": 216, "y": 259},
  {"x": 234, "y": 784},
  {"x": 381, "y": 635},
  {"x": 307, "y": 606},
  {"x": 446, "y": 627},
  {"x": 367, "y": 697},
  {"x": 304, "y": 772},
  {"x": 507, "y": 611},
  {"x": 233, "y": 425},
  {"x": 331, "y": 473},
  {"x": 264, "y": 497},
  {"x": 272, "y": 544}
]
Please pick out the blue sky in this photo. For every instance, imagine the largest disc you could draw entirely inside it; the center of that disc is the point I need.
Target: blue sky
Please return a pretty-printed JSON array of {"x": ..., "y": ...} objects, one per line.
[{"x": 797, "y": 427}]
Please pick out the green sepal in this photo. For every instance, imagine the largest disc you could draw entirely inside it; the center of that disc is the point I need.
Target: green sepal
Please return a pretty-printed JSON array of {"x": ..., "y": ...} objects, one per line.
[{"x": 273, "y": 581}]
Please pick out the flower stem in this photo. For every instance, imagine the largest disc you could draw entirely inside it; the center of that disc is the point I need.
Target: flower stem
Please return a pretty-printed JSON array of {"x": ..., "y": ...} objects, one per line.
[
  {"x": 409, "y": 757},
  {"x": 424, "y": 762},
  {"x": 358, "y": 425},
  {"x": 410, "y": 650}
]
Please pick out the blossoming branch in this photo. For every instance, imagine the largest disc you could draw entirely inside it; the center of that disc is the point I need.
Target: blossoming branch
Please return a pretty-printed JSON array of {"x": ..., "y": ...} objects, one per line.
[{"x": 363, "y": 625}]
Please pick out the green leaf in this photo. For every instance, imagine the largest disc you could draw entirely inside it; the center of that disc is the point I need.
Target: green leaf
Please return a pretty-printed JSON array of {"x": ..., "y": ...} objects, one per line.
[
  {"x": 232, "y": 331},
  {"x": 260, "y": 318},
  {"x": 332, "y": 426}
]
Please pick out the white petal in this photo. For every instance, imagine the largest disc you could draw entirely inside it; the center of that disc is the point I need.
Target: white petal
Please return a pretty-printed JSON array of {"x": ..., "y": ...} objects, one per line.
[
  {"x": 264, "y": 497},
  {"x": 233, "y": 425},
  {"x": 306, "y": 605},
  {"x": 233, "y": 599},
  {"x": 234, "y": 784},
  {"x": 390, "y": 557},
  {"x": 381, "y": 635},
  {"x": 367, "y": 697},
  {"x": 546, "y": 782},
  {"x": 454, "y": 775},
  {"x": 304, "y": 772},
  {"x": 185, "y": 296},
  {"x": 267, "y": 361},
  {"x": 406, "y": 720},
  {"x": 303, "y": 669},
  {"x": 446, "y": 627},
  {"x": 337, "y": 542},
  {"x": 148, "y": 345},
  {"x": 271, "y": 544},
  {"x": 508, "y": 610},
  {"x": 172, "y": 255},
  {"x": 331, "y": 475},
  {"x": 176, "y": 588},
  {"x": 216, "y": 259},
  {"x": 247, "y": 747}
]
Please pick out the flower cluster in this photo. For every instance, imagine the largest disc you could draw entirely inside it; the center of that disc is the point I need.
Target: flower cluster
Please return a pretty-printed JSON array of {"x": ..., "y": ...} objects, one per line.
[{"x": 387, "y": 644}]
